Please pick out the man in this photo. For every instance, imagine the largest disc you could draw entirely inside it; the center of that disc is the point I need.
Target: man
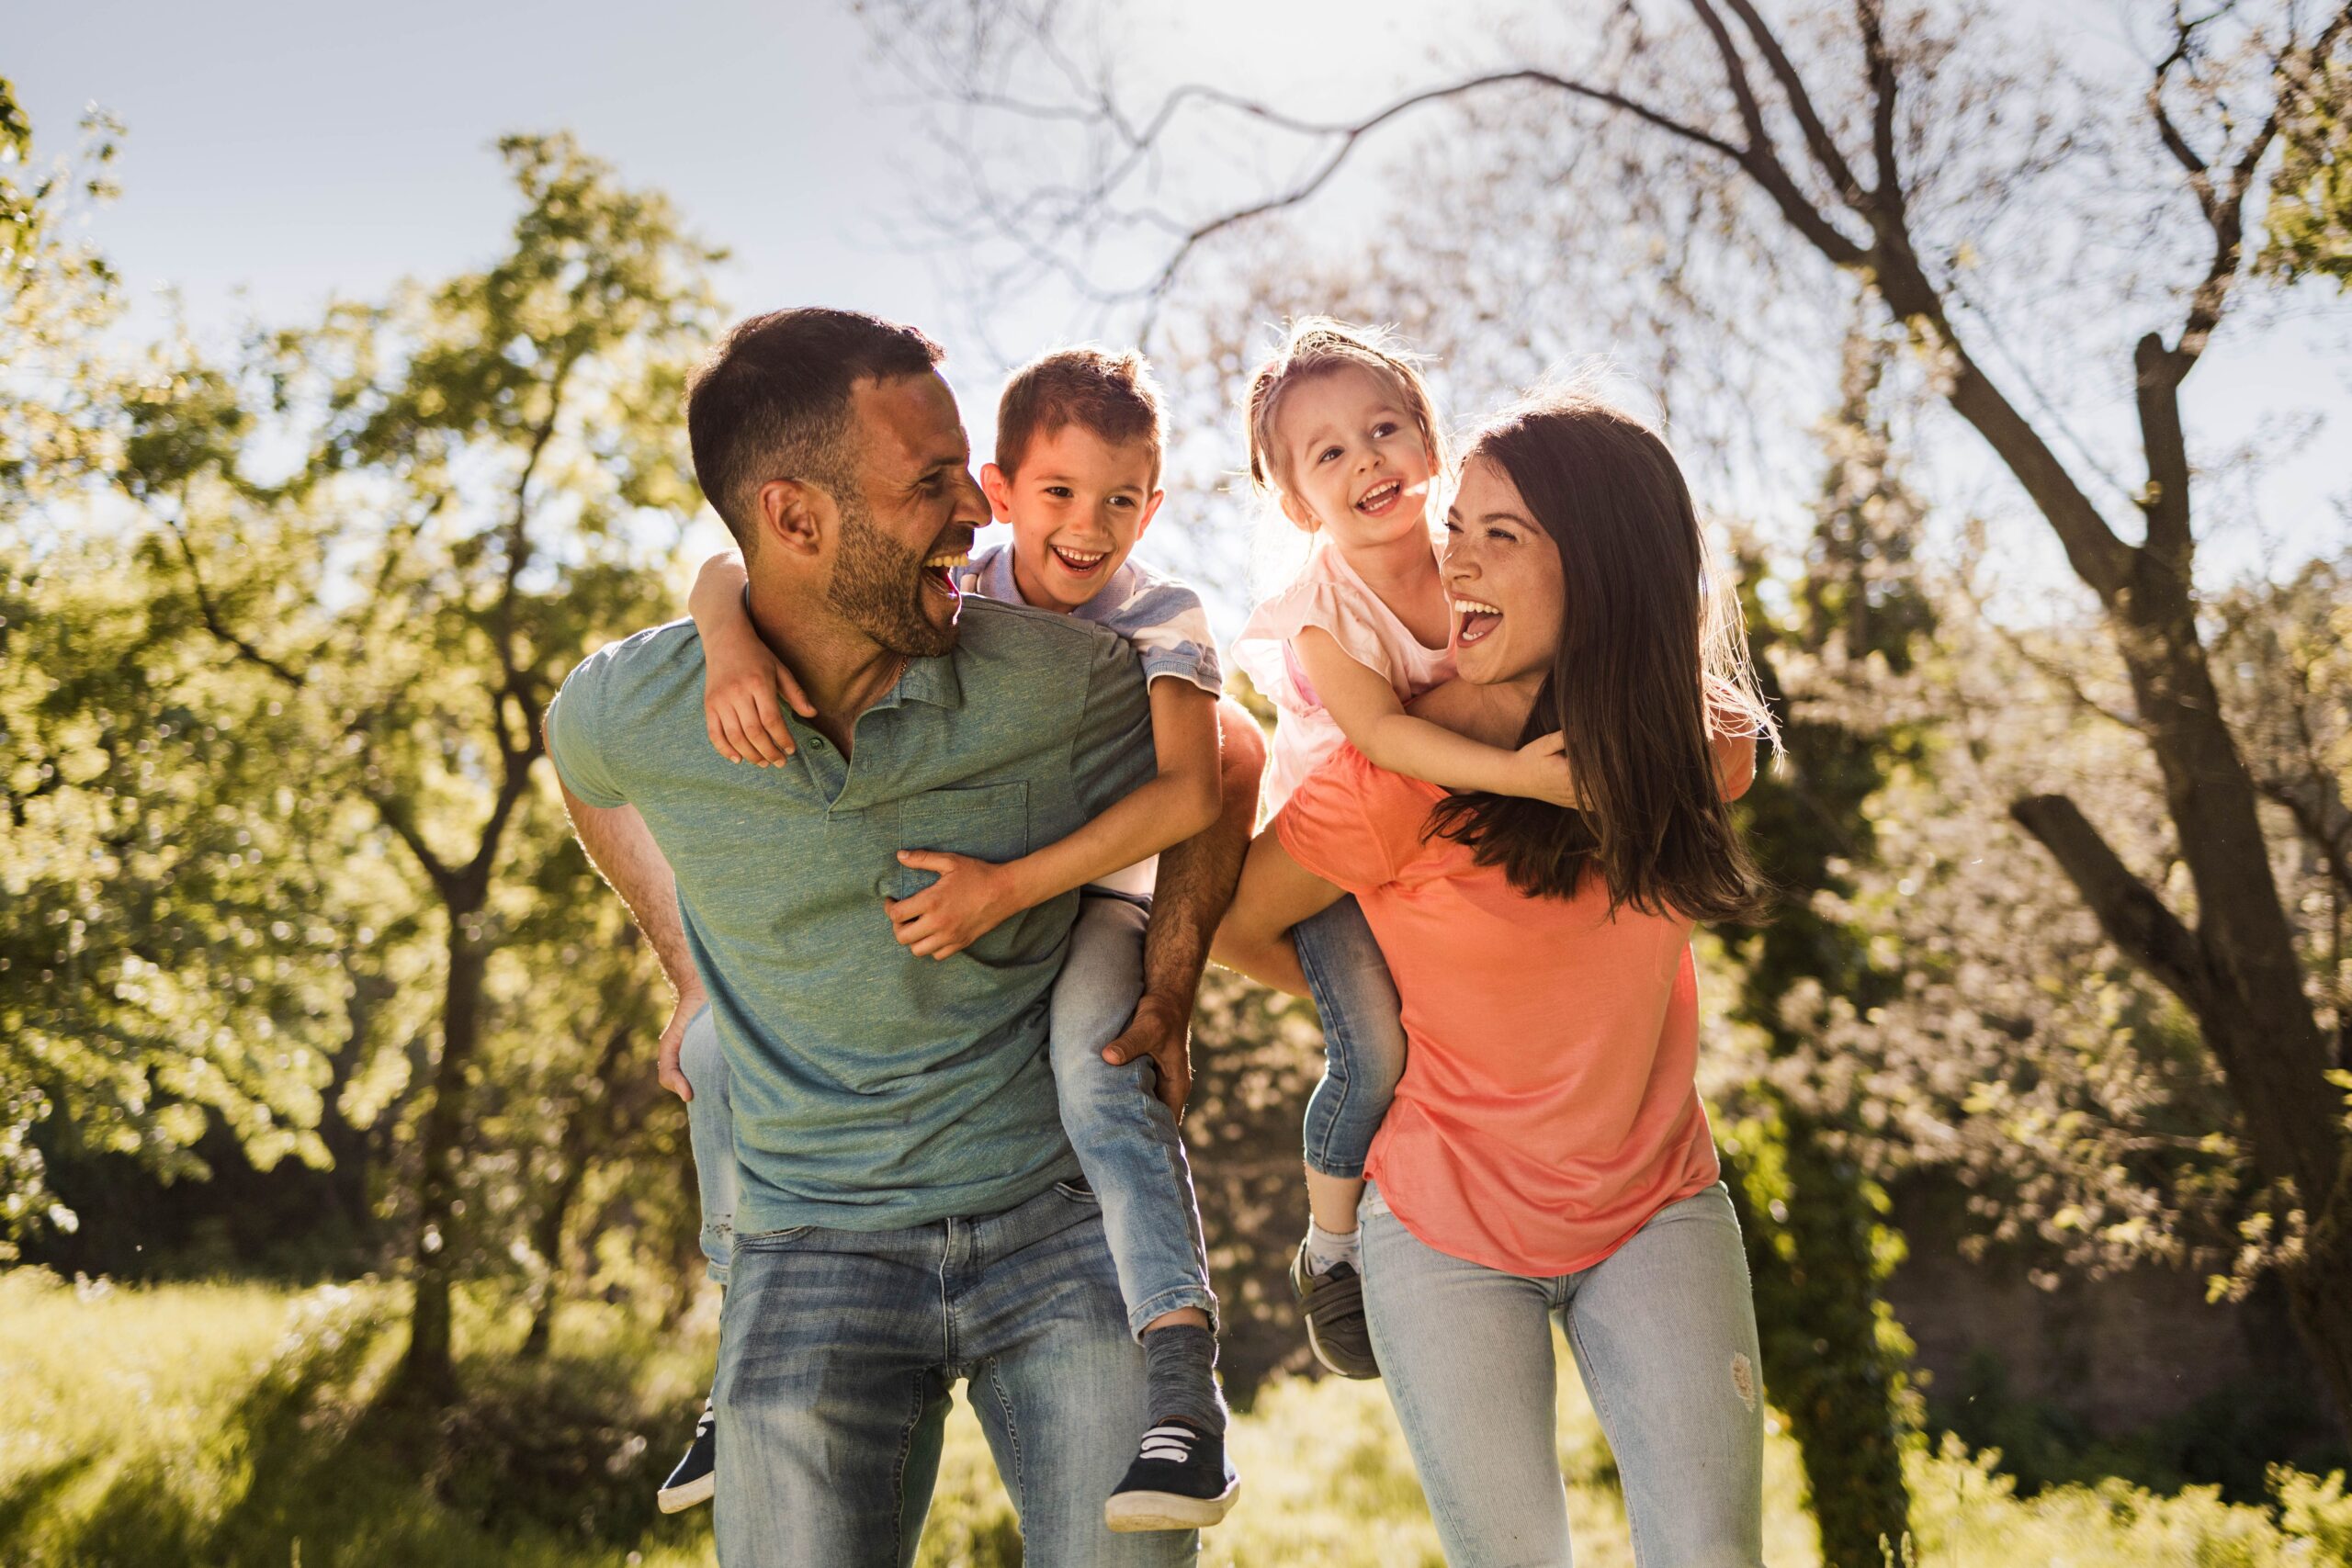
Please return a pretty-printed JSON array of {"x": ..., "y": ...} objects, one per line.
[{"x": 908, "y": 1211}]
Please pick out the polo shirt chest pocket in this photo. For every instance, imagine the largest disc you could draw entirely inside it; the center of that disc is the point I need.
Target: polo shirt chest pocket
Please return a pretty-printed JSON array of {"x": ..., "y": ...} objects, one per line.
[{"x": 988, "y": 822}]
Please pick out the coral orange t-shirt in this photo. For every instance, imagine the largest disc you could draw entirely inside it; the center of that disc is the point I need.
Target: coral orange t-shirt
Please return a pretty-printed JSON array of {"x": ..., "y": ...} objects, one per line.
[{"x": 1549, "y": 1105}]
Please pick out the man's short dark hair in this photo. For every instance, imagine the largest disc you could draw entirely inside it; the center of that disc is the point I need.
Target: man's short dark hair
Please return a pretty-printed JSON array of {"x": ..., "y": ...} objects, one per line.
[
  {"x": 1113, "y": 395},
  {"x": 772, "y": 402}
]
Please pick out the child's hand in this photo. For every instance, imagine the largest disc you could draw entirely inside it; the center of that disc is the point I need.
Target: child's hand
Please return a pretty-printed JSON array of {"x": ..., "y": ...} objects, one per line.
[
  {"x": 970, "y": 898},
  {"x": 1545, "y": 774},
  {"x": 740, "y": 684}
]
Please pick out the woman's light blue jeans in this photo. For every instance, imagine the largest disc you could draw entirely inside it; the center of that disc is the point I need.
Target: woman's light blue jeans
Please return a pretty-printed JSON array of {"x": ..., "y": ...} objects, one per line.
[
  {"x": 1125, "y": 1139},
  {"x": 1363, "y": 1038},
  {"x": 1664, "y": 1331}
]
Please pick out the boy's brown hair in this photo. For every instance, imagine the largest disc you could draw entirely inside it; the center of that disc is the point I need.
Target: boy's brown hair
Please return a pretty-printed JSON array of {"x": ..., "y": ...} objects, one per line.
[{"x": 1113, "y": 395}]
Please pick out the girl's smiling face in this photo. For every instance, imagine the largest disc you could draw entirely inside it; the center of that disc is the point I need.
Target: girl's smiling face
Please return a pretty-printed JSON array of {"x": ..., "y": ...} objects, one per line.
[
  {"x": 1503, "y": 577},
  {"x": 1356, "y": 462}
]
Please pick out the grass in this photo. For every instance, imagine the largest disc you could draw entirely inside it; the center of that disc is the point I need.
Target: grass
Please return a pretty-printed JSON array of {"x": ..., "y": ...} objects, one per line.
[{"x": 234, "y": 1424}]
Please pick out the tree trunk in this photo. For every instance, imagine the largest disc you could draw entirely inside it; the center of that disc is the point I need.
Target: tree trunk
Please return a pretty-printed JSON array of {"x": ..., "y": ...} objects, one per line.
[
  {"x": 591, "y": 1120},
  {"x": 2237, "y": 971},
  {"x": 430, "y": 1371},
  {"x": 547, "y": 1240}
]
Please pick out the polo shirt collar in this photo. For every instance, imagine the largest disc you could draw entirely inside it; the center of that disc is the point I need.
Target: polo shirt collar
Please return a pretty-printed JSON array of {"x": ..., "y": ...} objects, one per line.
[{"x": 931, "y": 680}]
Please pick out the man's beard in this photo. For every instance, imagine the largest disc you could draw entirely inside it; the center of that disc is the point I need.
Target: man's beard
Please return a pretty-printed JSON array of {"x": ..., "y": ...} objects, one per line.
[{"x": 878, "y": 587}]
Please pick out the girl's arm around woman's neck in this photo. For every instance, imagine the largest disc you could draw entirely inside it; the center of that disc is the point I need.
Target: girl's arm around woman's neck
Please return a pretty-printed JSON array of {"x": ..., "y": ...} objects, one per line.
[{"x": 1493, "y": 715}]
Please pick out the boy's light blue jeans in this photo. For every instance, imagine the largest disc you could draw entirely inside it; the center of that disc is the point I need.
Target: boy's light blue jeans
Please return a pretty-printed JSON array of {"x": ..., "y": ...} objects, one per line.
[
  {"x": 710, "y": 1132},
  {"x": 1363, "y": 1038},
  {"x": 1664, "y": 1331},
  {"x": 1125, "y": 1139},
  {"x": 837, "y": 1350}
]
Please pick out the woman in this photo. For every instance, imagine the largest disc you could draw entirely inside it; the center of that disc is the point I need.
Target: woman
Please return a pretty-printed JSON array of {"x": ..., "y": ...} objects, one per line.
[{"x": 1546, "y": 1153}]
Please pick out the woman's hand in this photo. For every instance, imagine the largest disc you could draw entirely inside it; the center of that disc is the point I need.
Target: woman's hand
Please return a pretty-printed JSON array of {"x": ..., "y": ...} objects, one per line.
[
  {"x": 970, "y": 899},
  {"x": 740, "y": 683},
  {"x": 1545, "y": 774}
]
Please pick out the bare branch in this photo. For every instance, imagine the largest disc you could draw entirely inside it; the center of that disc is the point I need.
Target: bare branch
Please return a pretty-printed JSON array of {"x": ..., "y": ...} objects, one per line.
[
  {"x": 1817, "y": 140},
  {"x": 1870, "y": 17},
  {"x": 2051, "y": 670},
  {"x": 2225, "y": 207},
  {"x": 2321, "y": 817},
  {"x": 1743, "y": 92},
  {"x": 1351, "y": 134},
  {"x": 2131, "y": 914},
  {"x": 2199, "y": 172}
]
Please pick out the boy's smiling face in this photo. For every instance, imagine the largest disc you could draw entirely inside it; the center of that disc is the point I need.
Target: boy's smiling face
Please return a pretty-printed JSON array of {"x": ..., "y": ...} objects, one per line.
[{"x": 1077, "y": 506}]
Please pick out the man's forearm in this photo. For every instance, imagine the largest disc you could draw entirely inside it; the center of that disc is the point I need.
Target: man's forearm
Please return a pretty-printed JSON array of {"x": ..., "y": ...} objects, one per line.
[
  {"x": 1197, "y": 876},
  {"x": 622, "y": 849}
]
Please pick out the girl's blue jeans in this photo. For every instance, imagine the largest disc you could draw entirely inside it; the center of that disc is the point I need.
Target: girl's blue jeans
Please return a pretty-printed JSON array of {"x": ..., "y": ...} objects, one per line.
[
  {"x": 1125, "y": 1139},
  {"x": 1363, "y": 1037}
]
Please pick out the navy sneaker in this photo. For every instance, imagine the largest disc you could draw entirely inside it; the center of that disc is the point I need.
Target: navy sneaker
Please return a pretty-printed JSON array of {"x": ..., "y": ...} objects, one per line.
[
  {"x": 698, "y": 1473},
  {"x": 1336, "y": 1329},
  {"x": 1179, "y": 1482}
]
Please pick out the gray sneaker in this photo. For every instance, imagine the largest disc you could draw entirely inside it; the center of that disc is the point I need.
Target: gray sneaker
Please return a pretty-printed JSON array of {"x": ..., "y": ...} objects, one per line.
[{"x": 1336, "y": 1330}]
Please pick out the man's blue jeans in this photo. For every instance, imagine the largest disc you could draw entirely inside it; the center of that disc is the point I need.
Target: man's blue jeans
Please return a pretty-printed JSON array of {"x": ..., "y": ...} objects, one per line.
[{"x": 837, "y": 1350}]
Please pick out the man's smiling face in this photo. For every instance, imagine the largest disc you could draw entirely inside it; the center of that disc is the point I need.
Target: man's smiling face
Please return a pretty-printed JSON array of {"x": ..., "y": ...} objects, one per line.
[{"x": 912, "y": 519}]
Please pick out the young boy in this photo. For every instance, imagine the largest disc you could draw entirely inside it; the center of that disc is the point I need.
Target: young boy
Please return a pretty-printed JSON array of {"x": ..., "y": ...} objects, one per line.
[{"x": 1077, "y": 476}]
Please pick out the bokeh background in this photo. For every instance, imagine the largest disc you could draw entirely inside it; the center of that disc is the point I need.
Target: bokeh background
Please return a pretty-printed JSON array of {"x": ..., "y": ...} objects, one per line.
[{"x": 341, "y": 1218}]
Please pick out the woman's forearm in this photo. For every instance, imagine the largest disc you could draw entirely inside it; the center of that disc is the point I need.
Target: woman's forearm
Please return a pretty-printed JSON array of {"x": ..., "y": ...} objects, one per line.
[{"x": 1270, "y": 960}]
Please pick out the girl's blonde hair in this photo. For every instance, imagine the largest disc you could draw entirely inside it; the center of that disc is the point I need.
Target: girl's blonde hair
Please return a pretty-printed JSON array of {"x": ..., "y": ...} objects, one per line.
[{"x": 1316, "y": 346}]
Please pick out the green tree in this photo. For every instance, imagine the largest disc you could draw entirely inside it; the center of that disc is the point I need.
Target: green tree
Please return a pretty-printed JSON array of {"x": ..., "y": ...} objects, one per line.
[
  {"x": 1817, "y": 1247},
  {"x": 491, "y": 466},
  {"x": 2308, "y": 218},
  {"x": 151, "y": 979}
]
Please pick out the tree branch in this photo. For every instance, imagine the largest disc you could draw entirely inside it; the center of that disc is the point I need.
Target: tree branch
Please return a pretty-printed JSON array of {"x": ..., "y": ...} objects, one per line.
[
  {"x": 1761, "y": 159},
  {"x": 2321, "y": 815},
  {"x": 395, "y": 815},
  {"x": 1817, "y": 140},
  {"x": 212, "y": 614},
  {"x": 1350, "y": 135},
  {"x": 2201, "y": 180},
  {"x": 1887, "y": 194},
  {"x": 2224, "y": 208},
  {"x": 2134, "y": 916}
]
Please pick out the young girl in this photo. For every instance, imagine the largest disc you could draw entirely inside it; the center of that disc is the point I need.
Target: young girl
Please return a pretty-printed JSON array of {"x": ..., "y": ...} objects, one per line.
[{"x": 1343, "y": 434}]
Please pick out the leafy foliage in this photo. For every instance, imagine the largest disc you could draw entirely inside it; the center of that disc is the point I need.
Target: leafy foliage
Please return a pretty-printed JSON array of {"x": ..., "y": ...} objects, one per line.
[{"x": 2310, "y": 214}]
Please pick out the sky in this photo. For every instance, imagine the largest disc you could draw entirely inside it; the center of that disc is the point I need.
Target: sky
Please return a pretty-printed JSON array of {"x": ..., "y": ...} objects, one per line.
[{"x": 282, "y": 153}]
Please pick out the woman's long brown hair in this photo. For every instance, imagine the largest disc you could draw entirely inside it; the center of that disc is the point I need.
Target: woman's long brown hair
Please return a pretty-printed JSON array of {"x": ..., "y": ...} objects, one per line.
[{"x": 1652, "y": 663}]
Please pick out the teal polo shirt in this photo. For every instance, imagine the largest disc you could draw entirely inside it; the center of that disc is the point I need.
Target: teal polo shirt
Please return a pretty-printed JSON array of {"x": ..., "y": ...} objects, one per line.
[{"x": 872, "y": 1088}]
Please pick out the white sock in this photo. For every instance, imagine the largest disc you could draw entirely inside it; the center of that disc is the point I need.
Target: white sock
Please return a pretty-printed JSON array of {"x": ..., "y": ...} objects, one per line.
[{"x": 1326, "y": 1248}]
